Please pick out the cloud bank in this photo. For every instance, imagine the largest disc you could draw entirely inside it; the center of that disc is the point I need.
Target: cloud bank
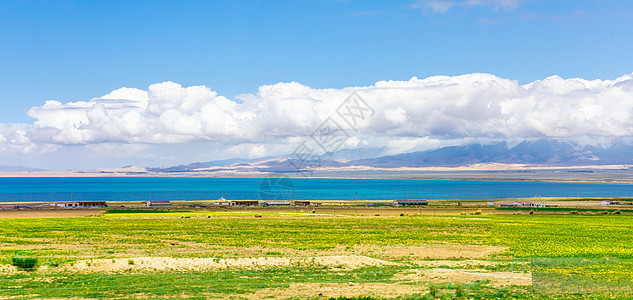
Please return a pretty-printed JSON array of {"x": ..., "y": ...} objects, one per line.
[{"x": 472, "y": 106}]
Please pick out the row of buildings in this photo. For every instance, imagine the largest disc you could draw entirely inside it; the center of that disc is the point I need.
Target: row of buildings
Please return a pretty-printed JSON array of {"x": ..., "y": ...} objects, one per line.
[
  {"x": 221, "y": 202},
  {"x": 77, "y": 204},
  {"x": 224, "y": 202}
]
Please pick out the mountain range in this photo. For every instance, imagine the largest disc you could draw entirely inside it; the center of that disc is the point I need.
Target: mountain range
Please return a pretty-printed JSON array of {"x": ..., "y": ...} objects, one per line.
[
  {"x": 537, "y": 153},
  {"x": 543, "y": 152}
]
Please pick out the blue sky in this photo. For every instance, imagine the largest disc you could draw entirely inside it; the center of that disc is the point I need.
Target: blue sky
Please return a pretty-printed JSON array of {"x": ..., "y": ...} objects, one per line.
[
  {"x": 247, "y": 54},
  {"x": 78, "y": 50}
]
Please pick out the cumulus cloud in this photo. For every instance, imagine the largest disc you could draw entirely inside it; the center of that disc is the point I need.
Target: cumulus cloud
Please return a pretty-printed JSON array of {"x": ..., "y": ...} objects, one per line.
[{"x": 407, "y": 113}]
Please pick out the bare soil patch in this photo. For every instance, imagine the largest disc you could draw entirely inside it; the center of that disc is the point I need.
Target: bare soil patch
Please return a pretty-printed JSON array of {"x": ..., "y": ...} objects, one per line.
[
  {"x": 461, "y": 264},
  {"x": 7, "y": 270},
  {"x": 196, "y": 264},
  {"x": 338, "y": 289},
  {"x": 415, "y": 253},
  {"x": 496, "y": 278},
  {"x": 431, "y": 251}
]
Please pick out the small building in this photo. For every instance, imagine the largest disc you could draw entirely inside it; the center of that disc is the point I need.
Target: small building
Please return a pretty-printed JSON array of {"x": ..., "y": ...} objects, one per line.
[
  {"x": 302, "y": 203},
  {"x": 244, "y": 203},
  {"x": 527, "y": 204},
  {"x": 277, "y": 203},
  {"x": 89, "y": 204},
  {"x": 81, "y": 204},
  {"x": 410, "y": 202},
  {"x": 609, "y": 202},
  {"x": 157, "y": 203}
]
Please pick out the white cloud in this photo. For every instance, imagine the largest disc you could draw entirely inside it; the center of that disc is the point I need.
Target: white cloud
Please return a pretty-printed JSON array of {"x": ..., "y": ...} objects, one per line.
[
  {"x": 437, "y": 6},
  {"x": 408, "y": 115},
  {"x": 496, "y": 4},
  {"x": 442, "y": 6}
]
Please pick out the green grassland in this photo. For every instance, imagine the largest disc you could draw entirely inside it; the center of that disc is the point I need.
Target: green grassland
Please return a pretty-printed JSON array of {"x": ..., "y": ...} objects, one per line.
[{"x": 588, "y": 251}]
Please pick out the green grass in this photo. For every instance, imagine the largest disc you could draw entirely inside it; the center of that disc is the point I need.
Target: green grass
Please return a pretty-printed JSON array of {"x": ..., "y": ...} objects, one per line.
[
  {"x": 560, "y": 241},
  {"x": 186, "y": 284},
  {"x": 568, "y": 209},
  {"x": 565, "y": 235},
  {"x": 582, "y": 276},
  {"x": 142, "y": 211},
  {"x": 118, "y": 234}
]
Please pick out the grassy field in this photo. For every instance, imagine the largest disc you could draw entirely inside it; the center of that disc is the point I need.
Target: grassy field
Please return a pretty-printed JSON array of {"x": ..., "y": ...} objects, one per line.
[{"x": 288, "y": 254}]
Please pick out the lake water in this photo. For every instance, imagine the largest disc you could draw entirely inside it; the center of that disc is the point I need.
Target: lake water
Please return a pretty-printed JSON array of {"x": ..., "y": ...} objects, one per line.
[{"x": 138, "y": 188}]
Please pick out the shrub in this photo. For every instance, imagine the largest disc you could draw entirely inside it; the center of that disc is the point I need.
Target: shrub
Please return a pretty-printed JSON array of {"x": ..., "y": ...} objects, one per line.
[
  {"x": 25, "y": 263},
  {"x": 130, "y": 261},
  {"x": 459, "y": 291},
  {"x": 434, "y": 291}
]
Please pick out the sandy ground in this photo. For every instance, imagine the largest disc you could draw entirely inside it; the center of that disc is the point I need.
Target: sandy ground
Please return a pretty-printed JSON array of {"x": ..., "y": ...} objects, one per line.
[
  {"x": 432, "y": 251},
  {"x": 350, "y": 289},
  {"x": 61, "y": 213},
  {"x": 462, "y": 264},
  {"x": 496, "y": 278},
  {"x": 401, "y": 252},
  {"x": 438, "y": 275},
  {"x": 412, "y": 281},
  {"x": 197, "y": 264},
  {"x": 462, "y": 271}
]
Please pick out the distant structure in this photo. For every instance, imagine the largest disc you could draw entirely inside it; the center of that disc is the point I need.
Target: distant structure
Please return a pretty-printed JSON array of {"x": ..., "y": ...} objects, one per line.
[
  {"x": 527, "y": 204},
  {"x": 410, "y": 202},
  {"x": 277, "y": 203},
  {"x": 80, "y": 204},
  {"x": 244, "y": 203},
  {"x": 302, "y": 203},
  {"x": 157, "y": 203},
  {"x": 609, "y": 202}
]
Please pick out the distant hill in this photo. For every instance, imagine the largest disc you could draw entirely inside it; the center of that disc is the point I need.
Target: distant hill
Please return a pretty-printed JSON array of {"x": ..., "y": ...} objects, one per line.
[
  {"x": 232, "y": 161},
  {"x": 18, "y": 169},
  {"x": 541, "y": 152}
]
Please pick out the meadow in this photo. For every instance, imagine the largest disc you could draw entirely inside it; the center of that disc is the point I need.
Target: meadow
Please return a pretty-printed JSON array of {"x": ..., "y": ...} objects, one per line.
[{"x": 262, "y": 254}]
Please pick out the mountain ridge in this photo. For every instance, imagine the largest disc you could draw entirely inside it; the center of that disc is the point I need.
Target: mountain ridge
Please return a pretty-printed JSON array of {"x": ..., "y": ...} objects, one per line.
[{"x": 538, "y": 152}]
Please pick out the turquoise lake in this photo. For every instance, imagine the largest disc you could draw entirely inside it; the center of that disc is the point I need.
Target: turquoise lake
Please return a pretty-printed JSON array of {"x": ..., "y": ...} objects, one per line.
[{"x": 142, "y": 188}]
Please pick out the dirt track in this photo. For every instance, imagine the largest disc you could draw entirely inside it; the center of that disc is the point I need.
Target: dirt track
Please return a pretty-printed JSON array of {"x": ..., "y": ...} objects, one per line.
[{"x": 58, "y": 213}]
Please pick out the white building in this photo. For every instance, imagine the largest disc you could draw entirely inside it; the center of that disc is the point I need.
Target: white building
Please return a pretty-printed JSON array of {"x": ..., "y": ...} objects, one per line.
[{"x": 157, "y": 203}]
